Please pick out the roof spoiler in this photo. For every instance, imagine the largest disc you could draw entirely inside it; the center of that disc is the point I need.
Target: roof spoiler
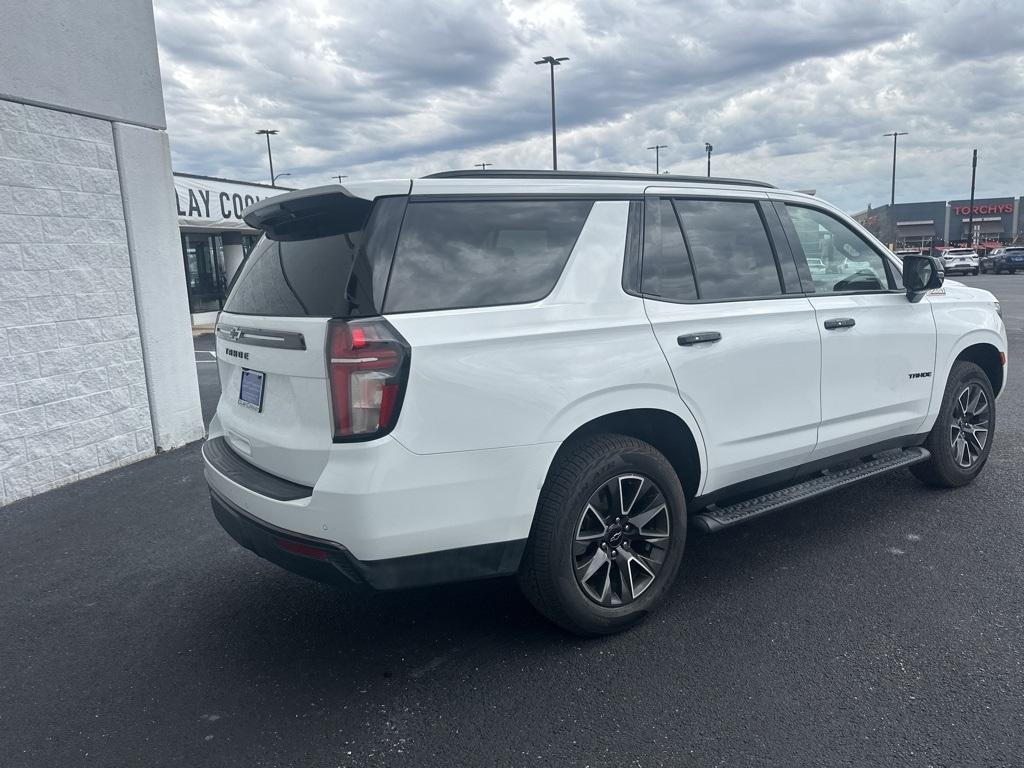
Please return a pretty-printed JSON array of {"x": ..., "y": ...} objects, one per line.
[{"x": 308, "y": 213}]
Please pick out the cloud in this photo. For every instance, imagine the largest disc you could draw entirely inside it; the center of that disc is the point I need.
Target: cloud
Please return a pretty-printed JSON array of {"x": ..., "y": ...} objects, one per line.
[{"x": 798, "y": 92}]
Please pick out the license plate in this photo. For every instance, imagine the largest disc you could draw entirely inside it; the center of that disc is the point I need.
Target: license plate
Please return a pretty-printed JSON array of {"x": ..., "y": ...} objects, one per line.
[{"x": 251, "y": 393}]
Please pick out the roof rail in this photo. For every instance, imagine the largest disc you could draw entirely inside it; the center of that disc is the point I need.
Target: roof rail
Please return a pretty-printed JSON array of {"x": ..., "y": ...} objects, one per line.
[{"x": 613, "y": 175}]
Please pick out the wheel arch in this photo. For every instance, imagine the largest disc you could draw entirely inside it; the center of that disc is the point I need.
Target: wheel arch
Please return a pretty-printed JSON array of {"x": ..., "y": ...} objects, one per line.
[
  {"x": 987, "y": 357},
  {"x": 665, "y": 430}
]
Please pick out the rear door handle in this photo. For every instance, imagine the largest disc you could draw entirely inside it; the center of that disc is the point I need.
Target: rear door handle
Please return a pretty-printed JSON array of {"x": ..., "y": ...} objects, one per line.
[
  {"x": 689, "y": 339},
  {"x": 840, "y": 322}
]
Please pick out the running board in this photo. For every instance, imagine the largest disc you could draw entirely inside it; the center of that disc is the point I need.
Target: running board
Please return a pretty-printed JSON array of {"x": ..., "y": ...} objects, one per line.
[{"x": 716, "y": 518}]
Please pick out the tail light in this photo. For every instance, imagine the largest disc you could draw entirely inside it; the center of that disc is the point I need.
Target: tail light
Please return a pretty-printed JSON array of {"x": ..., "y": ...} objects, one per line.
[{"x": 368, "y": 363}]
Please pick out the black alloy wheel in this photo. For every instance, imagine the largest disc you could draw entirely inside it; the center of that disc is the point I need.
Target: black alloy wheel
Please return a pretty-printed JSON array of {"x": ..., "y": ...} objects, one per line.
[
  {"x": 607, "y": 537},
  {"x": 968, "y": 431},
  {"x": 961, "y": 439},
  {"x": 622, "y": 537}
]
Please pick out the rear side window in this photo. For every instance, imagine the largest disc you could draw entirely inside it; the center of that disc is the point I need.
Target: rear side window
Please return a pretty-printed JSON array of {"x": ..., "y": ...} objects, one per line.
[
  {"x": 731, "y": 252},
  {"x": 666, "y": 273},
  {"x": 478, "y": 253}
]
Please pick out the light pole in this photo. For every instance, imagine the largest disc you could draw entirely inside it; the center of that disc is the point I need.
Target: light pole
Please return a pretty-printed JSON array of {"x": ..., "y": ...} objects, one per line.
[
  {"x": 482, "y": 166},
  {"x": 657, "y": 156},
  {"x": 270, "y": 158},
  {"x": 273, "y": 181},
  {"x": 970, "y": 214},
  {"x": 553, "y": 62},
  {"x": 709, "y": 149},
  {"x": 339, "y": 177},
  {"x": 895, "y": 135}
]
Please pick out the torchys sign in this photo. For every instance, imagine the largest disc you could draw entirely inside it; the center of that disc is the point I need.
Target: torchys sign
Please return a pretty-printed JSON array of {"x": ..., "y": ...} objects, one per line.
[
  {"x": 216, "y": 203},
  {"x": 983, "y": 209}
]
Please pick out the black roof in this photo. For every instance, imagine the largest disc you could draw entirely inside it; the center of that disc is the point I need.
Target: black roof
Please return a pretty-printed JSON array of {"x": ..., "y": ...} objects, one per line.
[{"x": 612, "y": 175}]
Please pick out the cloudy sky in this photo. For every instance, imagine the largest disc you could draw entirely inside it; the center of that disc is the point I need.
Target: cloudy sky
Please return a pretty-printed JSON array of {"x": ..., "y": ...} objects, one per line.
[{"x": 795, "y": 92}]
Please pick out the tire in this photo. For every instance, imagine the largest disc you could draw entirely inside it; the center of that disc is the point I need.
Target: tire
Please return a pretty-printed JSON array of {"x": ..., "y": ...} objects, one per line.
[
  {"x": 947, "y": 468},
  {"x": 975, "y": 272},
  {"x": 564, "y": 573}
]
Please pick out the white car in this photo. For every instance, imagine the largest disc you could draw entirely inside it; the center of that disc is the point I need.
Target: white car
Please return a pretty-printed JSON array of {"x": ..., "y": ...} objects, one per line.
[
  {"x": 963, "y": 260},
  {"x": 553, "y": 374}
]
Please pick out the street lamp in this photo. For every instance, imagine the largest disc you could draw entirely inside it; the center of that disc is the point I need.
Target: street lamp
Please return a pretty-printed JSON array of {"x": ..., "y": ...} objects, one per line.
[
  {"x": 268, "y": 133},
  {"x": 657, "y": 156},
  {"x": 709, "y": 149},
  {"x": 339, "y": 177},
  {"x": 895, "y": 135},
  {"x": 553, "y": 62},
  {"x": 482, "y": 166},
  {"x": 273, "y": 181},
  {"x": 970, "y": 214}
]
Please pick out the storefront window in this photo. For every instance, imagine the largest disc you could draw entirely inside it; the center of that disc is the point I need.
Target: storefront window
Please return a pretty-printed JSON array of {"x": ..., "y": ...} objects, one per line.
[{"x": 204, "y": 272}]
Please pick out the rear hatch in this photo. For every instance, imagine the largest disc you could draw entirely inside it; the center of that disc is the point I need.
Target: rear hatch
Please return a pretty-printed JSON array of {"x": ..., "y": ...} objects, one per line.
[{"x": 307, "y": 294}]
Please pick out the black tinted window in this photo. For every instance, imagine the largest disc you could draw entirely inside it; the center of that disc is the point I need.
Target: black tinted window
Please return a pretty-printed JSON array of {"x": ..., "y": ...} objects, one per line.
[
  {"x": 482, "y": 253},
  {"x": 730, "y": 249},
  {"x": 323, "y": 259},
  {"x": 666, "y": 267},
  {"x": 295, "y": 277}
]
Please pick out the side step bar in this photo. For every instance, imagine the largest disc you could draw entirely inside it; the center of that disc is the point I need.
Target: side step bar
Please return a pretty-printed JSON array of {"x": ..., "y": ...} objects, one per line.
[{"x": 716, "y": 518}]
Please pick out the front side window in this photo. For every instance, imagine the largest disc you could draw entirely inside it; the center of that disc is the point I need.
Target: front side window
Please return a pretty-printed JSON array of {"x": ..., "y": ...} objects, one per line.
[
  {"x": 732, "y": 255},
  {"x": 481, "y": 253},
  {"x": 839, "y": 259}
]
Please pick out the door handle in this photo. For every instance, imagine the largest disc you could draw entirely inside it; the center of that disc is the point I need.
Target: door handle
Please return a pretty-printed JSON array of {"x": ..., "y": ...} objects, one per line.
[
  {"x": 840, "y": 322},
  {"x": 689, "y": 339}
]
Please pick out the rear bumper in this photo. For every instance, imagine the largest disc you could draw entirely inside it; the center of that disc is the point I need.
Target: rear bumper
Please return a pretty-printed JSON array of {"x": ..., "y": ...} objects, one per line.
[
  {"x": 331, "y": 563},
  {"x": 383, "y": 515}
]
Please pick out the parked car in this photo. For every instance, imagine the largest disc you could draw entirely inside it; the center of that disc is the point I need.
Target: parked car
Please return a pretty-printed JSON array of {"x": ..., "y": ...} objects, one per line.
[
  {"x": 962, "y": 260},
  {"x": 816, "y": 265},
  {"x": 1008, "y": 259},
  {"x": 493, "y": 373}
]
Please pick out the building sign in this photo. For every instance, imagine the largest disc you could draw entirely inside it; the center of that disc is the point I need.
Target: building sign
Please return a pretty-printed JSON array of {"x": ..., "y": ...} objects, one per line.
[
  {"x": 216, "y": 203},
  {"x": 983, "y": 209}
]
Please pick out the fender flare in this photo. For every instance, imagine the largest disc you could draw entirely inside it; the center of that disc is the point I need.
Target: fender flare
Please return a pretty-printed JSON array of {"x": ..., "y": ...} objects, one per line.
[{"x": 627, "y": 398}]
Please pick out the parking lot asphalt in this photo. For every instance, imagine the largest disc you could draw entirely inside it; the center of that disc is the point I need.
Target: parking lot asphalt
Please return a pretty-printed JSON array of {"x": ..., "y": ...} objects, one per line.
[{"x": 879, "y": 625}]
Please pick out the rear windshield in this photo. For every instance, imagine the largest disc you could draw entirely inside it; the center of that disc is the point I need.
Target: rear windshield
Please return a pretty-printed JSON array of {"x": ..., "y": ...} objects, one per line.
[
  {"x": 331, "y": 264},
  {"x": 478, "y": 253}
]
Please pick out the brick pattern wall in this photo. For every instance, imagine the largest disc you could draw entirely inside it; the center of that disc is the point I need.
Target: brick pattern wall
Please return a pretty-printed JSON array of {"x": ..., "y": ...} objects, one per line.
[{"x": 73, "y": 398}]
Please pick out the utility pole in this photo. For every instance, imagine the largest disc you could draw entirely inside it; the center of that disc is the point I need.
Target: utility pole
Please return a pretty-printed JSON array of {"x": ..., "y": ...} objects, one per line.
[
  {"x": 339, "y": 177},
  {"x": 708, "y": 148},
  {"x": 553, "y": 62},
  {"x": 970, "y": 214},
  {"x": 895, "y": 135},
  {"x": 657, "y": 156},
  {"x": 482, "y": 166},
  {"x": 270, "y": 158}
]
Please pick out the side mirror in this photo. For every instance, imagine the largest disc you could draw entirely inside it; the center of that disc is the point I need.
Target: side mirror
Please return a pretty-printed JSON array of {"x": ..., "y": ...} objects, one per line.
[{"x": 922, "y": 274}]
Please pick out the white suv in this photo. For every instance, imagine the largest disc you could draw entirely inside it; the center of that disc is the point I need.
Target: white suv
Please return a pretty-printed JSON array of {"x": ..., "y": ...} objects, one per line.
[
  {"x": 554, "y": 374},
  {"x": 964, "y": 260}
]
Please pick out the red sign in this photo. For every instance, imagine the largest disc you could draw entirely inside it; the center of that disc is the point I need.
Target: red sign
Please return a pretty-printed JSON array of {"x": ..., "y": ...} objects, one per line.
[{"x": 983, "y": 210}]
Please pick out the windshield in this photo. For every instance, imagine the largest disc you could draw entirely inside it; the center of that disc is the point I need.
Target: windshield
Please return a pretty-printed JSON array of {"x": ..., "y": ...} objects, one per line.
[{"x": 314, "y": 270}]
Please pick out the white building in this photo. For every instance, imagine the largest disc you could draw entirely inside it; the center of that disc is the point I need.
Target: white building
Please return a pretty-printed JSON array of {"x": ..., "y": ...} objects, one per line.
[{"x": 96, "y": 360}]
